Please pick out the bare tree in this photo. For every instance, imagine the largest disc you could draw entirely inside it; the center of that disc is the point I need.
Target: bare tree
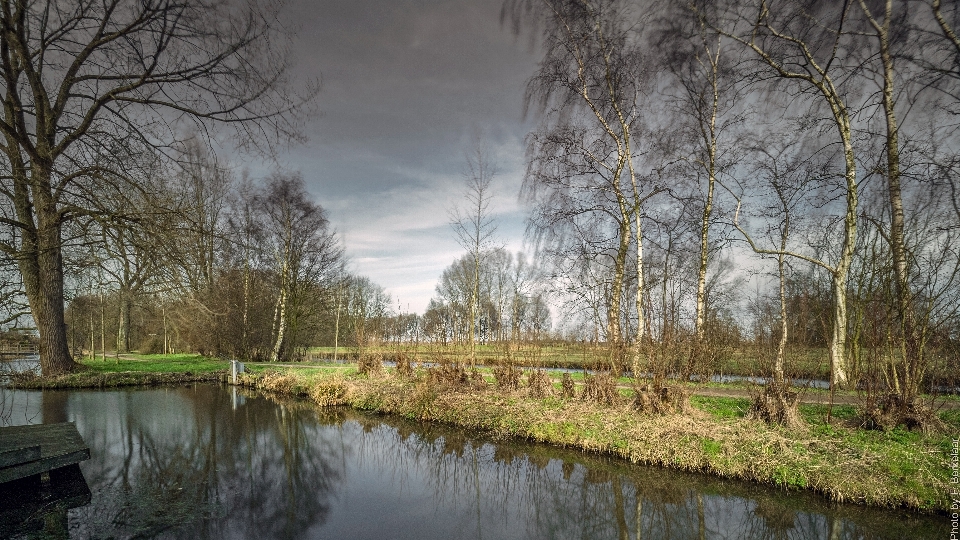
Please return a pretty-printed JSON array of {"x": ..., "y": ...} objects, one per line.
[
  {"x": 593, "y": 67},
  {"x": 801, "y": 46},
  {"x": 304, "y": 249},
  {"x": 475, "y": 225},
  {"x": 88, "y": 84}
]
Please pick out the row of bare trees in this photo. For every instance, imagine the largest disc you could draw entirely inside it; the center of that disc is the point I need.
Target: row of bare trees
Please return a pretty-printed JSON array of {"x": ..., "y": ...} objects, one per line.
[
  {"x": 224, "y": 267},
  {"x": 680, "y": 146}
]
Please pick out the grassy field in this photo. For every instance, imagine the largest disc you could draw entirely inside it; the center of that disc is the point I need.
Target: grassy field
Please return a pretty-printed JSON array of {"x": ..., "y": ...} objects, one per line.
[
  {"x": 157, "y": 363},
  {"x": 806, "y": 363}
]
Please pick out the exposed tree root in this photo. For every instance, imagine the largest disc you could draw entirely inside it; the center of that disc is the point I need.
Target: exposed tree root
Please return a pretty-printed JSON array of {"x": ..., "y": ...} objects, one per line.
[
  {"x": 659, "y": 398},
  {"x": 891, "y": 409},
  {"x": 776, "y": 404}
]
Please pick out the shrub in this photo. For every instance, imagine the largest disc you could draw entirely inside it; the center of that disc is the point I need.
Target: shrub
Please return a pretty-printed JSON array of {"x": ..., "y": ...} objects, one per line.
[
  {"x": 275, "y": 381},
  {"x": 404, "y": 365},
  {"x": 661, "y": 399},
  {"x": 568, "y": 389},
  {"x": 329, "y": 392},
  {"x": 370, "y": 364},
  {"x": 539, "y": 383},
  {"x": 507, "y": 377},
  {"x": 600, "y": 388}
]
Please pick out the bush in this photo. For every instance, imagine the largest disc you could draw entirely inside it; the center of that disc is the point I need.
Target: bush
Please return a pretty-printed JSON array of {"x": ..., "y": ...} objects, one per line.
[
  {"x": 891, "y": 409},
  {"x": 329, "y": 392},
  {"x": 275, "y": 381},
  {"x": 567, "y": 387},
  {"x": 370, "y": 364},
  {"x": 539, "y": 383},
  {"x": 507, "y": 377},
  {"x": 661, "y": 399},
  {"x": 600, "y": 388},
  {"x": 776, "y": 404},
  {"x": 404, "y": 366}
]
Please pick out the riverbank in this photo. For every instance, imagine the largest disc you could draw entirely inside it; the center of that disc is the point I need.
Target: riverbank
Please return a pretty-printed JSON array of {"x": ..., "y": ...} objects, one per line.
[
  {"x": 898, "y": 468},
  {"x": 836, "y": 459}
]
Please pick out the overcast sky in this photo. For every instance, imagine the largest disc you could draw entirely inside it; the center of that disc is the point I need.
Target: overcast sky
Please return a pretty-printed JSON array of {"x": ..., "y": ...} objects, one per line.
[{"x": 405, "y": 84}]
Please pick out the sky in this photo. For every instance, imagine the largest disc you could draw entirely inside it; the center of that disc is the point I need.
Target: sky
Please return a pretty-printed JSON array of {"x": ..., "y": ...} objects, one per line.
[{"x": 405, "y": 86}]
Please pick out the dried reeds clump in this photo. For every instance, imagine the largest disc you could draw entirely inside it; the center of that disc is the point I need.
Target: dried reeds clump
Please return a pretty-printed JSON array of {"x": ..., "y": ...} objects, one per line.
[
  {"x": 275, "y": 381},
  {"x": 477, "y": 382},
  {"x": 600, "y": 388},
  {"x": 507, "y": 377},
  {"x": 329, "y": 392},
  {"x": 404, "y": 366},
  {"x": 567, "y": 387},
  {"x": 891, "y": 409},
  {"x": 449, "y": 374},
  {"x": 776, "y": 404},
  {"x": 370, "y": 364},
  {"x": 539, "y": 383},
  {"x": 661, "y": 398}
]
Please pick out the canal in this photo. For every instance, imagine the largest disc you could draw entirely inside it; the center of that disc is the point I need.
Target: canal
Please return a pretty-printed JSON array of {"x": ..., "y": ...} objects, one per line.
[{"x": 205, "y": 461}]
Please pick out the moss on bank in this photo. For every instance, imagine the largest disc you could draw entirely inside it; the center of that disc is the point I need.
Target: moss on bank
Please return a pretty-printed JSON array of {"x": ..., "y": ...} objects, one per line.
[{"x": 888, "y": 469}]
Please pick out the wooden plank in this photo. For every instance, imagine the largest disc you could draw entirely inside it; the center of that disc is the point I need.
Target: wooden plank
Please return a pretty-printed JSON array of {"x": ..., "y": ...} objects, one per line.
[
  {"x": 16, "y": 456},
  {"x": 60, "y": 445},
  {"x": 26, "y": 504}
]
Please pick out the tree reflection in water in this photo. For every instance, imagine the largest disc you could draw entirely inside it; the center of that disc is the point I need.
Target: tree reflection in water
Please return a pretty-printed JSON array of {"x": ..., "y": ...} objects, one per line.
[{"x": 203, "y": 462}]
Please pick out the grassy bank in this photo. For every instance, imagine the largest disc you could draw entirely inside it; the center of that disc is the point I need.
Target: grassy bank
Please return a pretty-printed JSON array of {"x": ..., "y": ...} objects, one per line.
[
  {"x": 890, "y": 469},
  {"x": 898, "y": 468},
  {"x": 131, "y": 370}
]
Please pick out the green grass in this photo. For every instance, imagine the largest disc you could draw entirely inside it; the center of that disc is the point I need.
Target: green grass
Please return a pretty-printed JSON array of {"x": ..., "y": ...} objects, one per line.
[
  {"x": 721, "y": 407},
  {"x": 157, "y": 363}
]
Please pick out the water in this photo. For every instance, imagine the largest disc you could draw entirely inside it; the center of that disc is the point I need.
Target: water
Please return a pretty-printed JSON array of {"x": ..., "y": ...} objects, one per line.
[{"x": 204, "y": 461}]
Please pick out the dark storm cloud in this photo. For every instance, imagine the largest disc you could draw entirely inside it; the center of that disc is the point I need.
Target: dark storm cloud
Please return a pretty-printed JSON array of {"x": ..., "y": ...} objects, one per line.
[{"x": 405, "y": 83}]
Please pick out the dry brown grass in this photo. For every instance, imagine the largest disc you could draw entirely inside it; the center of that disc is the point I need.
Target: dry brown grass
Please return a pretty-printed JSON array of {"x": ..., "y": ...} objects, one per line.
[
  {"x": 890, "y": 410},
  {"x": 776, "y": 404},
  {"x": 600, "y": 388},
  {"x": 539, "y": 384},
  {"x": 404, "y": 365},
  {"x": 662, "y": 399},
  {"x": 568, "y": 389},
  {"x": 507, "y": 377}
]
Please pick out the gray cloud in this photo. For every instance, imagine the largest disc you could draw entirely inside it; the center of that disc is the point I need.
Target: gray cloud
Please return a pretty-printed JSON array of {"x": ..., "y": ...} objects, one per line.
[{"x": 405, "y": 84}]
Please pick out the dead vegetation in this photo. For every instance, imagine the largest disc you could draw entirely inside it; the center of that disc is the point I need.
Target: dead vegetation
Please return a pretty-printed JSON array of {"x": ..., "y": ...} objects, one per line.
[
  {"x": 568, "y": 389},
  {"x": 507, "y": 376},
  {"x": 890, "y": 409},
  {"x": 776, "y": 403},
  {"x": 404, "y": 366},
  {"x": 661, "y": 398},
  {"x": 539, "y": 384},
  {"x": 370, "y": 363},
  {"x": 600, "y": 388}
]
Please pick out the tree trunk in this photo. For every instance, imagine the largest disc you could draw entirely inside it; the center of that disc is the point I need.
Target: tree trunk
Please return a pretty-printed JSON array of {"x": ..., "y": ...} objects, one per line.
[
  {"x": 910, "y": 343},
  {"x": 614, "y": 334},
  {"x": 41, "y": 266},
  {"x": 123, "y": 326},
  {"x": 281, "y": 317}
]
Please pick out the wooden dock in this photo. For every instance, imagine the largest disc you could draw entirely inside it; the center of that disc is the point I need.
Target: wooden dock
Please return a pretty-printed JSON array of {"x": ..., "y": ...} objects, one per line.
[{"x": 35, "y": 449}]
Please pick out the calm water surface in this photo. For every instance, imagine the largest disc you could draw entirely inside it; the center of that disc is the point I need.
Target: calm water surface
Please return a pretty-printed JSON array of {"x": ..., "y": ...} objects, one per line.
[{"x": 211, "y": 462}]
